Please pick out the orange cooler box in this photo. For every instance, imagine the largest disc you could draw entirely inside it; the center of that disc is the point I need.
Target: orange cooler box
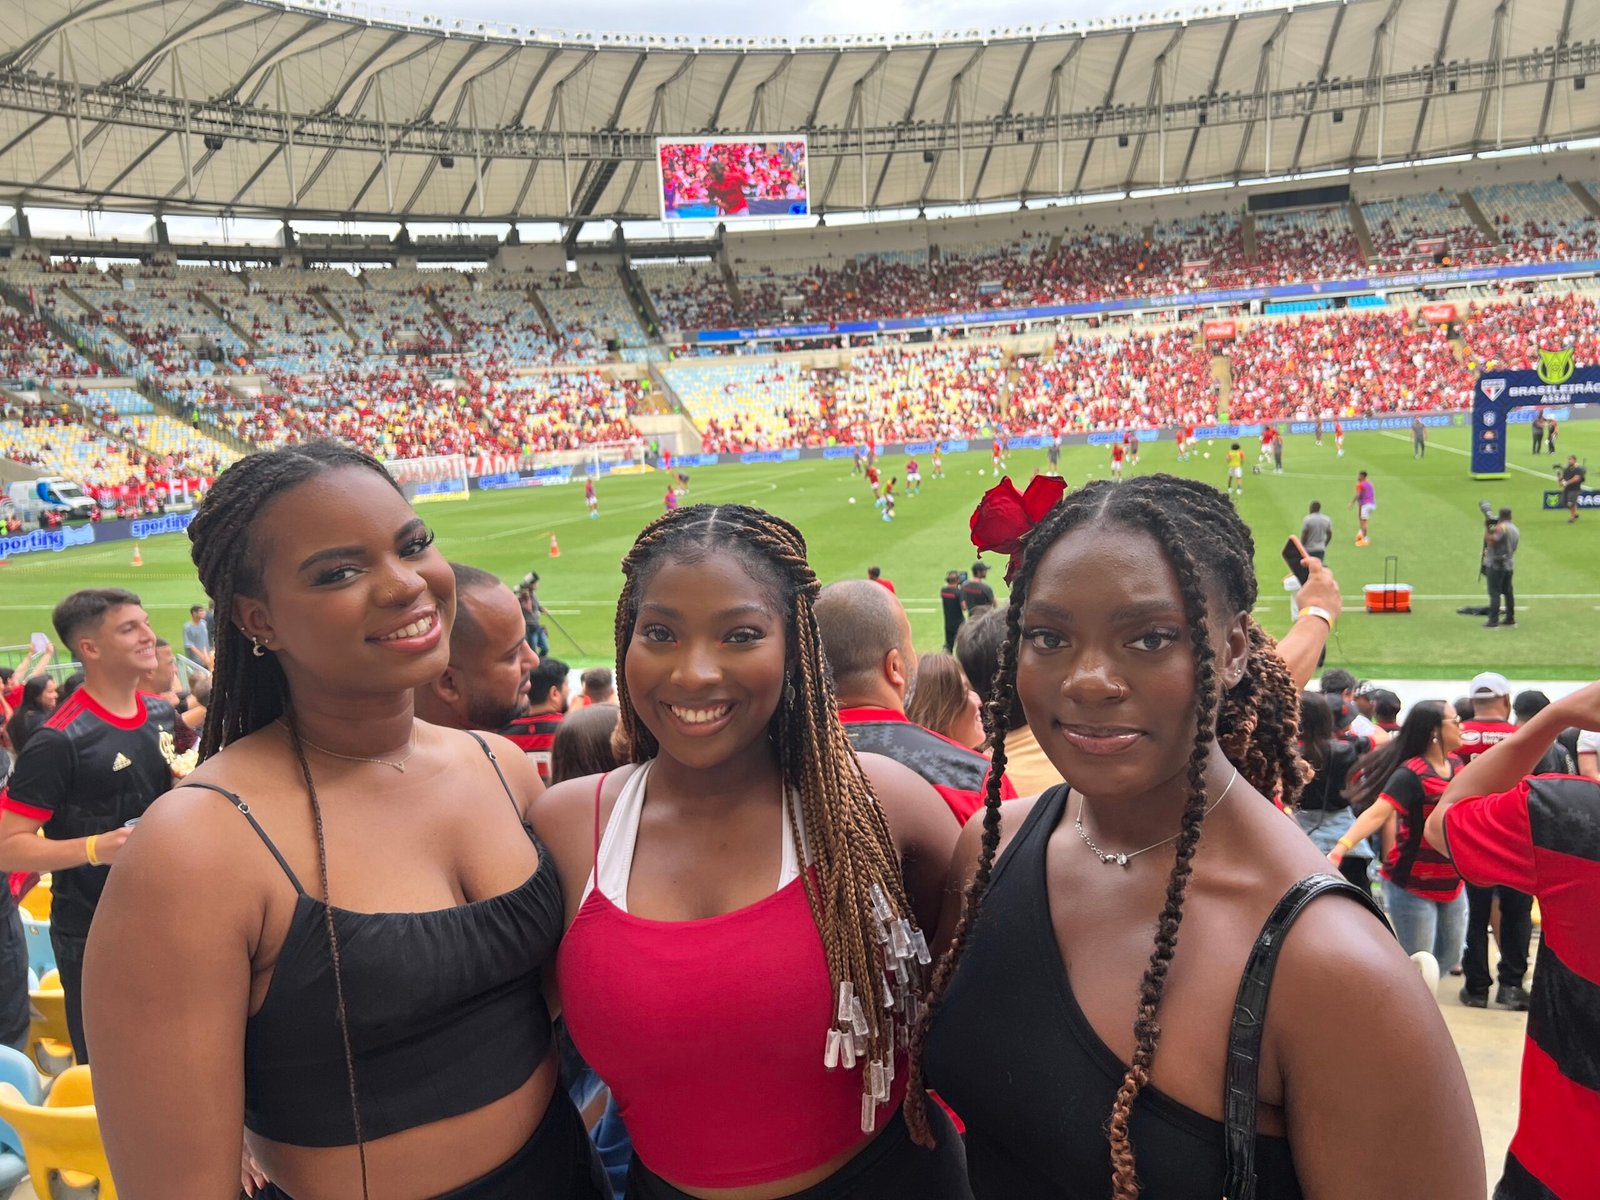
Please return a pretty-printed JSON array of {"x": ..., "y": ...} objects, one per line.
[{"x": 1388, "y": 597}]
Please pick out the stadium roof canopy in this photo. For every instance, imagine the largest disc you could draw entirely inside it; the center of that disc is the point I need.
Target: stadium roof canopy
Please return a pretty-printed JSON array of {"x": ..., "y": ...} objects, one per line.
[{"x": 323, "y": 109}]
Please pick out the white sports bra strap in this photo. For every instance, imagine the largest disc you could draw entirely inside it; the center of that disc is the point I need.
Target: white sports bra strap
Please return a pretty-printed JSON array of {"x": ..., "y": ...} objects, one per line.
[{"x": 614, "y": 860}]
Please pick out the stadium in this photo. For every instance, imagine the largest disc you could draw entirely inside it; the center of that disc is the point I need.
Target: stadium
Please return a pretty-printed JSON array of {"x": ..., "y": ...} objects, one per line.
[{"x": 508, "y": 261}]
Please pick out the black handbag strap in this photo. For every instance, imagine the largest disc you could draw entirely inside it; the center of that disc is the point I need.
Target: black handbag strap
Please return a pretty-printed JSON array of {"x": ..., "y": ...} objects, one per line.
[{"x": 1249, "y": 1023}]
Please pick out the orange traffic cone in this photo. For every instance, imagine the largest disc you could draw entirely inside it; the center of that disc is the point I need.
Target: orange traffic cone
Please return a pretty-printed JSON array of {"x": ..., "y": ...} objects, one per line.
[
  {"x": 555, "y": 547},
  {"x": 138, "y": 559}
]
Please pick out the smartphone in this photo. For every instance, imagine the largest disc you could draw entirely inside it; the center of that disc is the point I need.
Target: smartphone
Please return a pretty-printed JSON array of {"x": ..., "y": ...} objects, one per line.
[{"x": 1295, "y": 555}]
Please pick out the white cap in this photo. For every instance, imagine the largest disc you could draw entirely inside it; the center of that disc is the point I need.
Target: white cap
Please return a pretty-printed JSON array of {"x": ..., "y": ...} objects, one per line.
[{"x": 1489, "y": 683}]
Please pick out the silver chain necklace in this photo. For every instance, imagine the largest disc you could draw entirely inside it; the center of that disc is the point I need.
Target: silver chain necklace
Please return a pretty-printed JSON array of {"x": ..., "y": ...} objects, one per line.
[
  {"x": 399, "y": 764},
  {"x": 1122, "y": 860}
]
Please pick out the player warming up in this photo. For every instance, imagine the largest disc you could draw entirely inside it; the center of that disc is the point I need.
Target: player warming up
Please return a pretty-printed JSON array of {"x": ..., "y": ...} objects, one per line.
[
  {"x": 913, "y": 478},
  {"x": 1365, "y": 502},
  {"x": 591, "y": 499},
  {"x": 1236, "y": 470}
]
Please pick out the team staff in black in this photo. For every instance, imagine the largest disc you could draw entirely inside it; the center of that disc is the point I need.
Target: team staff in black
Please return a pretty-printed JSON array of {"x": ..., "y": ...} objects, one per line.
[
  {"x": 95, "y": 765},
  {"x": 1572, "y": 477},
  {"x": 975, "y": 592},
  {"x": 954, "y": 614}
]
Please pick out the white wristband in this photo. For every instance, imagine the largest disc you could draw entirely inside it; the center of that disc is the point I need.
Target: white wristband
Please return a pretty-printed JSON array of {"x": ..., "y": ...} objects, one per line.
[{"x": 1313, "y": 610}]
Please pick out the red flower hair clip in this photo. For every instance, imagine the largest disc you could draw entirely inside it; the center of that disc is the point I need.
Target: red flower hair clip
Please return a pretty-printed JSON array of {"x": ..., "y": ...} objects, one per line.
[{"x": 1005, "y": 516}]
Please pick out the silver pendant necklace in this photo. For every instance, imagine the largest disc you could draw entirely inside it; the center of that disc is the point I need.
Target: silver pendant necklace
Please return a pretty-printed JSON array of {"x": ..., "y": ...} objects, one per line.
[
  {"x": 399, "y": 764},
  {"x": 1122, "y": 860}
]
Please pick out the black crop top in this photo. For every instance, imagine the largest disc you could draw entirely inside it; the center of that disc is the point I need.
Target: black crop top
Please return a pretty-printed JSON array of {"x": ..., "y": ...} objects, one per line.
[
  {"x": 445, "y": 1010},
  {"x": 1013, "y": 1053}
]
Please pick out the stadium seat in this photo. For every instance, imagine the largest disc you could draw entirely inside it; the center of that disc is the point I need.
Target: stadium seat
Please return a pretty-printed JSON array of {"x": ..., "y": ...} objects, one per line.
[
  {"x": 48, "y": 1040},
  {"x": 37, "y": 901},
  {"x": 16, "y": 1070},
  {"x": 61, "y": 1141},
  {"x": 41, "y": 954}
]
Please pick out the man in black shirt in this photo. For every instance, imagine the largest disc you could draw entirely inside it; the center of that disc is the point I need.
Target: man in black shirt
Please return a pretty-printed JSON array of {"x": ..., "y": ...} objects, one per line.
[
  {"x": 95, "y": 765},
  {"x": 950, "y": 598},
  {"x": 975, "y": 593},
  {"x": 1572, "y": 478}
]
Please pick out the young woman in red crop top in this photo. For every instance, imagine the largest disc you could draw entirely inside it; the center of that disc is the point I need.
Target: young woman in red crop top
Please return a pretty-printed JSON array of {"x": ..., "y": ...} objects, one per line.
[
  {"x": 331, "y": 938},
  {"x": 745, "y": 956}
]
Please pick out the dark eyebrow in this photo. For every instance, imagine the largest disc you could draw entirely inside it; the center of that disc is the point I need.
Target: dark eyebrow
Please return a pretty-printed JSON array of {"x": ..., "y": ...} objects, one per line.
[
  {"x": 331, "y": 553},
  {"x": 1139, "y": 610},
  {"x": 410, "y": 527},
  {"x": 737, "y": 610}
]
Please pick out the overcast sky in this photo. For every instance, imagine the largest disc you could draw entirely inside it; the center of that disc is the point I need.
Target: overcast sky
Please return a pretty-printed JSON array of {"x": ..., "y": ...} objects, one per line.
[{"x": 766, "y": 17}]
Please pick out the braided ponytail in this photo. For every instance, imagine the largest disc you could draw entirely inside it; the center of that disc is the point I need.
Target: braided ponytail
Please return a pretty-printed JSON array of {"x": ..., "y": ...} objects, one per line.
[
  {"x": 1255, "y": 723},
  {"x": 853, "y": 881}
]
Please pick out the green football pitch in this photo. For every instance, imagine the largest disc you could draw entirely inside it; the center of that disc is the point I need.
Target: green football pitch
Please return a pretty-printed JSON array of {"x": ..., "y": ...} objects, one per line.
[{"x": 1427, "y": 515}]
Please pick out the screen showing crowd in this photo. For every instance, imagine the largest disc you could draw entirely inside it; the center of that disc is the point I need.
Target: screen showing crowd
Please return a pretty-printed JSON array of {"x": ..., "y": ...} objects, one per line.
[{"x": 713, "y": 180}]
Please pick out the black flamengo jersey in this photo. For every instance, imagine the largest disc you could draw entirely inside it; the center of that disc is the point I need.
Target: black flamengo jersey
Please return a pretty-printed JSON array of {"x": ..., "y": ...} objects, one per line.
[
  {"x": 536, "y": 734},
  {"x": 83, "y": 772}
]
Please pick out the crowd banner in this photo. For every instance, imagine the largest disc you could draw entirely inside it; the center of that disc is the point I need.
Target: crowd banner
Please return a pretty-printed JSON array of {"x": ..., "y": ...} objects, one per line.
[{"x": 39, "y": 541}]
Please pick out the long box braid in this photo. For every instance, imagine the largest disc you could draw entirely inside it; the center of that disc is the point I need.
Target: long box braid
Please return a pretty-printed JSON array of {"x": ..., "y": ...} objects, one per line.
[{"x": 854, "y": 883}]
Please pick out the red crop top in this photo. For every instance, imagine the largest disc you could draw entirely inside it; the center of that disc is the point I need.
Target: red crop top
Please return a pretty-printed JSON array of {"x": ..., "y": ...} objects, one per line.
[{"x": 710, "y": 1035}]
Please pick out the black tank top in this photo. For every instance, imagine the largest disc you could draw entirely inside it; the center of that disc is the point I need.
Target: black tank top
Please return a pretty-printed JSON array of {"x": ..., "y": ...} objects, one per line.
[
  {"x": 1013, "y": 1053},
  {"x": 445, "y": 1009}
]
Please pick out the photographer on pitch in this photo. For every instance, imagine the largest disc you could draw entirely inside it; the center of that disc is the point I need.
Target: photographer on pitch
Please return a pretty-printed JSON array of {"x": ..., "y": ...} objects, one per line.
[
  {"x": 1500, "y": 540},
  {"x": 1572, "y": 478}
]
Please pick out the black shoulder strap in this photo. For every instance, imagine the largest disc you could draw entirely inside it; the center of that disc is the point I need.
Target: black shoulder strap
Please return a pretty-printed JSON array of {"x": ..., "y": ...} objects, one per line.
[
  {"x": 1249, "y": 1023},
  {"x": 495, "y": 763},
  {"x": 244, "y": 809}
]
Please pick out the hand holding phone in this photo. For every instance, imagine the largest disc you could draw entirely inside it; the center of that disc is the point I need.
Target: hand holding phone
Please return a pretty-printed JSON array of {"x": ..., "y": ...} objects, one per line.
[{"x": 1295, "y": 555}]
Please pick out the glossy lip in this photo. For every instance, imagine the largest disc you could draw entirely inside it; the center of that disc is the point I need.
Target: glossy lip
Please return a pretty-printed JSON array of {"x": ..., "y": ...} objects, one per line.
[
  {"x": 412, "y": 645},
  {"x": 1099, "y": 739},
  {"x": 703, "y": 728}
]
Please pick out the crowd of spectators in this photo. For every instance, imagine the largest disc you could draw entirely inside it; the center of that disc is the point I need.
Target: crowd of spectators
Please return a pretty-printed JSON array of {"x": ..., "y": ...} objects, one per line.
[
  {"x": 1091, "y": 384},
  {"x": 1348, "y": 364}
]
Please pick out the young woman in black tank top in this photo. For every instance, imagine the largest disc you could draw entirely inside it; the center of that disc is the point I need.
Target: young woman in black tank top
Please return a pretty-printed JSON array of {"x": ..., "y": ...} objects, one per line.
[
  {"x": 1088, "y": 1063},
  {"x": 330, "y": 939}
]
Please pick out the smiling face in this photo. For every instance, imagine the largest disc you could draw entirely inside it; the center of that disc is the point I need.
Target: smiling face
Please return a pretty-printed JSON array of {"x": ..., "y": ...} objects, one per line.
[
  {"x": 490, "y": 668},
  {"x": 1106, "y": 671},
  {"x": 353, "y": 593},
  {"x": 123, "y": 643},
  {"x": 704, "y": 667}
]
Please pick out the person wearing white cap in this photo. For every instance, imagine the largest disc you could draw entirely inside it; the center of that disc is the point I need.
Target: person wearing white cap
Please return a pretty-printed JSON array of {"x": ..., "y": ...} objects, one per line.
[{"x": 1491, "y": 724}]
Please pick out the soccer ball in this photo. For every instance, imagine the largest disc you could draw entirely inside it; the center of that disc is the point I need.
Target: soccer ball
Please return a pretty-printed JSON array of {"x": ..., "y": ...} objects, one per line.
[
  {"x": 852, "y": 499},
  {"x": 1205, "y": 454},
  {"x": 981, "y": 471}
]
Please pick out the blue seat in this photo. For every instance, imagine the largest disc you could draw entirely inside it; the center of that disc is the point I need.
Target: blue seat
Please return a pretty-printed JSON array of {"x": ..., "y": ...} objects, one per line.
[
  {"x": 41, "y": 954},
  {"x": 21, "y": 1074}
]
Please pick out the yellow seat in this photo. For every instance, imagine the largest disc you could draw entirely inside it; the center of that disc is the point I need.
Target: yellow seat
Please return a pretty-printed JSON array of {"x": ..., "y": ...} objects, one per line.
[
  {"x": 61, "y": 1143},
  {"x": 49, "y": 1042},
  {"x": 37, "y": 902}
]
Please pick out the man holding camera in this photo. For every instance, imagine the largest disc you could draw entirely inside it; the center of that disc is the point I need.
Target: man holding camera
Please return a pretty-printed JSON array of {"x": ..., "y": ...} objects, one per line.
[
  {"x": 1500, "y": 538},
  {"x": 1572, "y": 477}
]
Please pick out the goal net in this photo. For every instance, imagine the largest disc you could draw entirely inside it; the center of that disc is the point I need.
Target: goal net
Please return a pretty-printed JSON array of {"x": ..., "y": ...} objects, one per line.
[{"x": 442, "y": 477}]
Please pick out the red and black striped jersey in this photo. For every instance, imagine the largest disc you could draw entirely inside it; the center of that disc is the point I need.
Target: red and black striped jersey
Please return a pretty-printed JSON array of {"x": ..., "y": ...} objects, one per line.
[
  {"x": 535, "y": 734},
  {"x": 1478, "y": 735},
  {"x": 956, "y": 773},
  {"x": 1543, "y": 837},
  {"x": 87, "y": 771},
  {"x": 1413, "y": 791}
]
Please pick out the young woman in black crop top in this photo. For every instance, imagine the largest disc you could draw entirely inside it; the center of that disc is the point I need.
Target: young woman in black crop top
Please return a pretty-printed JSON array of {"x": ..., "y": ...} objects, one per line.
[
  {"x": 1088, "y": 1063},
  {"x": 395, "y": 1044}
]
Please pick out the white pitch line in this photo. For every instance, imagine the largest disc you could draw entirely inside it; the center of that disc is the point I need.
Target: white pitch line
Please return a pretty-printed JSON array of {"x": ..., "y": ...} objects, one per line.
[{"x": 1510, "y": 466}]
